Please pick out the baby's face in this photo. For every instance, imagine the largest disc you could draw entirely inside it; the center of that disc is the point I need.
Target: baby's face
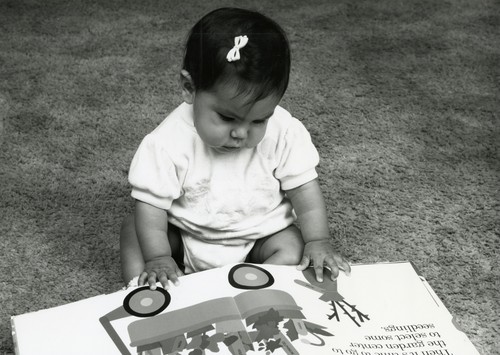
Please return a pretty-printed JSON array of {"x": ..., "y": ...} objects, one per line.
[{"x": 228, "y": 122}]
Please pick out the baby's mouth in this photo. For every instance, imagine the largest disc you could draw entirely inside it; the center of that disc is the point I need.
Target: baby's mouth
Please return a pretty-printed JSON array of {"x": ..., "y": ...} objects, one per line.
[{"x": 229, "y": 148}]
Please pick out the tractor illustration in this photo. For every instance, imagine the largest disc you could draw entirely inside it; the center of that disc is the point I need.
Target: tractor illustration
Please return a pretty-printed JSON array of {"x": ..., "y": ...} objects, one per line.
[{"x": 257, "y": 319}]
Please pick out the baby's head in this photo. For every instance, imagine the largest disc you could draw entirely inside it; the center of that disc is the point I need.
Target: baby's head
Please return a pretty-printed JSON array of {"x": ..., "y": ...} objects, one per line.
[
  {"x": 234, "y": 96},
  {"x": 264, "y": 65}
]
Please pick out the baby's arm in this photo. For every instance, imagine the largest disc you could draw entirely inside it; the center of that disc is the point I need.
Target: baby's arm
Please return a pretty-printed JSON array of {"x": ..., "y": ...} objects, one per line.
[
  {"x": 309, "y": 205},
  {"x": 151, "y": 226}
]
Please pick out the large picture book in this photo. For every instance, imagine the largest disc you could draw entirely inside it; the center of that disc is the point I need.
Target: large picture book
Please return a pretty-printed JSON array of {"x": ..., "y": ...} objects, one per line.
[{"x": 380, "y": 309}]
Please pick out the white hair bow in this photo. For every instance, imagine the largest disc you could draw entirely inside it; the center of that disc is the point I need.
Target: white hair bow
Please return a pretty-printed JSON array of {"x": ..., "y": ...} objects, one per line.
[{"x": 234, "y": 53}]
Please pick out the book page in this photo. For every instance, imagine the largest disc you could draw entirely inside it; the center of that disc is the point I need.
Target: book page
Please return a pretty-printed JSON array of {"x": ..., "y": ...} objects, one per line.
[{"x": 381, "y": 309}]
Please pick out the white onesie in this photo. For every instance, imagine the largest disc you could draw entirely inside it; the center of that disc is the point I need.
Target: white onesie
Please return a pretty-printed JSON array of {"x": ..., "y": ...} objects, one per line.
[{"x": 222, "y": 202}]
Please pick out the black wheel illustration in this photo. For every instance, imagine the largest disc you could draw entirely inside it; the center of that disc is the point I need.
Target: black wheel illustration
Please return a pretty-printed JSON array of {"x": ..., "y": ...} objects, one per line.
[
  {"x": 250, "y": 277},
  {"x": 144, "y": 302}
]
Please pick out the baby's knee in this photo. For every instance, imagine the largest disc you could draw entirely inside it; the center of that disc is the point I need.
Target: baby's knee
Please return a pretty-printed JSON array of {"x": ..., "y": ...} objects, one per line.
[
  {"x": 283, "y": 248},
  {"x": 292, "y": 252},
  {"x": 291, "y": 246}
]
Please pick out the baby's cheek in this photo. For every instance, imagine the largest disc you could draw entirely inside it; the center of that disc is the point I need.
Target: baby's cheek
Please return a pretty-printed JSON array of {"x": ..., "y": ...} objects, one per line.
[
  {"x": 256, "y": 137},
  {"x": 214, "y": 137}
]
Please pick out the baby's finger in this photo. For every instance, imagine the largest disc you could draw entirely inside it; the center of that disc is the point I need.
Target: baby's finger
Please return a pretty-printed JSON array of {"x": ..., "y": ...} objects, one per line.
[
  {"x": 332, "y": 265},
  {"x": 172, "y": 275},
  {"x": 304, "y": 263},
  {"x": 163, "y": 278},
  {"x": 344, "y": 266},
  {"x": 152, "y": 280},
  {"x": 179, "y": 272},
  {"x": 142, "y": 278},
  {"x": 318, "y": 269}
]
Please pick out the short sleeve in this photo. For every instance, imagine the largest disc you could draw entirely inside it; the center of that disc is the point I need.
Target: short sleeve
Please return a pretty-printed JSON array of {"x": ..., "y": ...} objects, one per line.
[
  {"x": 153, "y": 175},
  {"x": 297, "y": 158}
]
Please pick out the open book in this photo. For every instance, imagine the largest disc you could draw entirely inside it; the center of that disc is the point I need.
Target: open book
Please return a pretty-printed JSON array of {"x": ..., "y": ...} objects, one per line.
[{"x": 381, "y": 309}]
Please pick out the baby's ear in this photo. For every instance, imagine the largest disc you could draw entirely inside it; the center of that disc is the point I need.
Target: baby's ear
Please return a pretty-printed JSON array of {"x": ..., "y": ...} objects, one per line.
[{"x": 187, "y": 86}]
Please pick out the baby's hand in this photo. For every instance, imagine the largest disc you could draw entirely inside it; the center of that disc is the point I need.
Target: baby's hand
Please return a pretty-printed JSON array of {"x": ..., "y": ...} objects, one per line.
[
  {"x": 162, "y": 269},
  {"x": 321, "y": 253}
]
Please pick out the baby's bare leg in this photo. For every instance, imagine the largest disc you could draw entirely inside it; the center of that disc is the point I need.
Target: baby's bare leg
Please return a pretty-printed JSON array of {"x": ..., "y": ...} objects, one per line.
[
  {"x": 132, "y": 261},
  {"x": 282, "y": 248}
]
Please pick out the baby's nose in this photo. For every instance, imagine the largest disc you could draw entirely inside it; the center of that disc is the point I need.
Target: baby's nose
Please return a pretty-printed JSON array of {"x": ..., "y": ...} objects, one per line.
[{"x": 239, "y": 133}]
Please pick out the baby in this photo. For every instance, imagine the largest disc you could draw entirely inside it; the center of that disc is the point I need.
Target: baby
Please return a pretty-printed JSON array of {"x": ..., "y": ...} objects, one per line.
[{"x": 226, "y": 176}]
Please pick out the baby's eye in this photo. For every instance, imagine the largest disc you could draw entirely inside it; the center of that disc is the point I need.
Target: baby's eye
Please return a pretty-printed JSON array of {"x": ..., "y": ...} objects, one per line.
[
  {"x": 259, "y": 122},
  {"x": 225, "y": 118}
]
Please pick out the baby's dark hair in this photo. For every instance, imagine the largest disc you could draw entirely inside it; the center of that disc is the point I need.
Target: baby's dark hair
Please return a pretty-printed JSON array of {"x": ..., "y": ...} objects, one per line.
[{"x": 264, "y": 66}]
